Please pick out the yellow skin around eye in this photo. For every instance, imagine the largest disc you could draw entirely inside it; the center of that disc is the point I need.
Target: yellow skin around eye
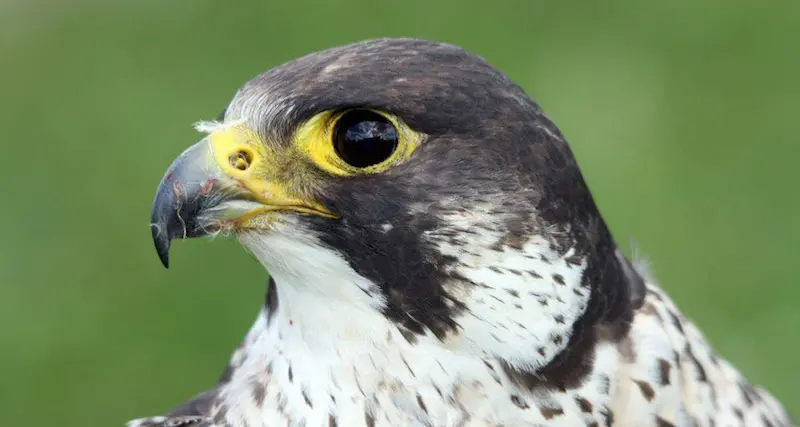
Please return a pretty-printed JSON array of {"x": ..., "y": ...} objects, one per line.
[
  {"x": 314, "y": 139},
  {"x": 277, "y": 176}
]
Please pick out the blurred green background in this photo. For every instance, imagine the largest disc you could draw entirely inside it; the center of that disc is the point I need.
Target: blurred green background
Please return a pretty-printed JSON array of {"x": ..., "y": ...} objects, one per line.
[{"x": 683, "y": 115}]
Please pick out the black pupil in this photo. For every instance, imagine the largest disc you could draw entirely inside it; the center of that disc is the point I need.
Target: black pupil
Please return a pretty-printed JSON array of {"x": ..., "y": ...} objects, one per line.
[{"x": 363, "y": 138}]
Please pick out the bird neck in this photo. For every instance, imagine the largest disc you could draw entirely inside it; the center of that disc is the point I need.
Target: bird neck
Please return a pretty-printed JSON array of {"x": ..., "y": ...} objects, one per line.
[
  {"x": 529, "y": 304},
  {"x": 332, "y": 359},
  {"x": 317, "y": 305},
  {"x": 319, "y": 323},
  {"x": 323, "y": 357}
]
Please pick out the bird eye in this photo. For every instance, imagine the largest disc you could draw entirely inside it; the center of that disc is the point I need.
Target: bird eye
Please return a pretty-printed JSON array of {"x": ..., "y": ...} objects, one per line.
[{"x": 363, "y": 138}]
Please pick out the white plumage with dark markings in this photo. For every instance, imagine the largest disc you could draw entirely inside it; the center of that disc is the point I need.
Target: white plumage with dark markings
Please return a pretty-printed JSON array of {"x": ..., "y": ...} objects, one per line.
[{"x": 435, "y": 258}]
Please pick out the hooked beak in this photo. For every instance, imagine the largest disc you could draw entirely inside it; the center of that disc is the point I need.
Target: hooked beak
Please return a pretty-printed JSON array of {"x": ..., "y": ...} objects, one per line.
[{"x": 228, "y": 180}]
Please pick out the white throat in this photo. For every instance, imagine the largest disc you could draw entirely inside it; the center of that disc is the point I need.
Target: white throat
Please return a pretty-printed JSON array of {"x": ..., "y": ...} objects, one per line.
[
  {"x": 321, "y": 300},
  {"x": 326, "y": 349},
  {"x": 328, "y": 346}
]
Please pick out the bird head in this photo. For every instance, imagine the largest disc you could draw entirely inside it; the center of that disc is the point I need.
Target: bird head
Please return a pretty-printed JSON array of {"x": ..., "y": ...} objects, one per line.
[{"x": 396, "y": 175}]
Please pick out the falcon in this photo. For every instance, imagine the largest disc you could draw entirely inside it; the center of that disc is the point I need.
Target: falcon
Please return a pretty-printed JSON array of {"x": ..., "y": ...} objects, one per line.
[{"x": 435, "y": 259}]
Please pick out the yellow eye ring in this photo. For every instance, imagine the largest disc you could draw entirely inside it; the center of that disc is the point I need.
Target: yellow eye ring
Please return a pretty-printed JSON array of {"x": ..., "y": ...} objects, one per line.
[{"x": 356, "y": 141}]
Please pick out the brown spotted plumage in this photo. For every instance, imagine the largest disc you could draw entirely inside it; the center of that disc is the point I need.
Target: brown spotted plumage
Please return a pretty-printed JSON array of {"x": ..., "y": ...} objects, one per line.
[{"x": 436, "y": 261}]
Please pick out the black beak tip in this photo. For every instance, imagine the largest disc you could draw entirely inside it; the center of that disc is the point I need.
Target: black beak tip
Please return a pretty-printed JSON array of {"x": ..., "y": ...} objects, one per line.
[{"x": 162, "y": 242}]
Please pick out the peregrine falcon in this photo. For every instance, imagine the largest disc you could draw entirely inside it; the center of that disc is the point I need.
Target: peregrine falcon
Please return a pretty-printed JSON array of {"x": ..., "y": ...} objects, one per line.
[{"x": 435, "y": 259}]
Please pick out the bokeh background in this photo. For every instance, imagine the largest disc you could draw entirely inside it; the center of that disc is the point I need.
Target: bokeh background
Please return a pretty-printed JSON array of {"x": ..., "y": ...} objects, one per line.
[{"x": 683, "y": 115}]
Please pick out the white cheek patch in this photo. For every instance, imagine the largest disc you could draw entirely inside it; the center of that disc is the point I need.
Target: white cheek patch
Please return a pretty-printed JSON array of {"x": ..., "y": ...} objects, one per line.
[{"x": 521, "y": 301}]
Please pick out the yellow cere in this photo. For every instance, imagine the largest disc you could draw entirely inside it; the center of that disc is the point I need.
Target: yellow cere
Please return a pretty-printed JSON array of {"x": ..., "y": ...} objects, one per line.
[
  {"x": 314, "y": 139},
  {"x": 240, "y": 153},
  {"x": 244, "y": 157}
]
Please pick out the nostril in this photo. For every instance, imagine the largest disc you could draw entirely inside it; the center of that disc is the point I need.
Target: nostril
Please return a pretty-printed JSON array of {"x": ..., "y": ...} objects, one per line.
[{"x": 241, "y": 160}]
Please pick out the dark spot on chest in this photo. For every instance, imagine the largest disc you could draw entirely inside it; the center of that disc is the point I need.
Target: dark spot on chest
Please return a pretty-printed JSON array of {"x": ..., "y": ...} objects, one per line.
[
  {"x": 411, "y": 371},
  {"x": 271, "y": 300},
  {"x": 518, "y": 402},
  {"x": 259, "y": 392},
  {"x": 676, "y": 321},
  {"x": 550, "y": 413},
  {"x": 748, "y": 393},
  {"x": 663, "y": 371},
  {"x": 605, "y": 384},
  {"x": 646, "y": 389},
  {"x": 421, "y": 404},
  {"x": 660, "y": 422},
  {"x": 307, "y": 399},
  {"x": 608, "y": 415},
  {"x": 584, "y": 405},
  {"x": 701, "y": 372}
]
